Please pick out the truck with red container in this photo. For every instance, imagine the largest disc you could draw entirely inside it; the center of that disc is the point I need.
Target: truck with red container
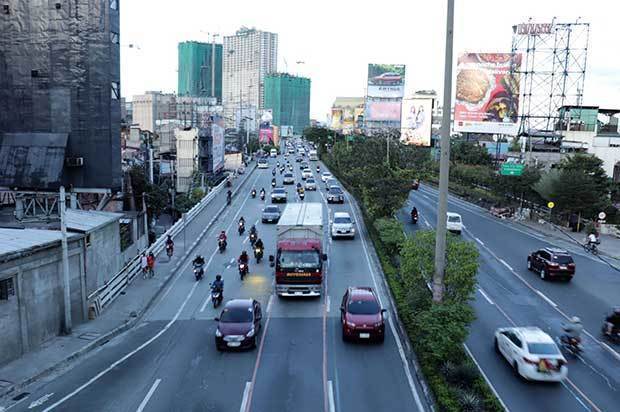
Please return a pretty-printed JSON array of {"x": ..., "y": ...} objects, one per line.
[{"x": 299, "y": 260}]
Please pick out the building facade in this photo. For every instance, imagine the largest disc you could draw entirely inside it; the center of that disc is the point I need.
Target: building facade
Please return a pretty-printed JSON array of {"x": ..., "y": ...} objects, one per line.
[
  {"x": 60, "y": 84},
  {"x": 152, "y": 106},
  {"x": 289, "y": 99},
  {"x": 200, "y": 70},
  {"x": 249, "y": 56}
]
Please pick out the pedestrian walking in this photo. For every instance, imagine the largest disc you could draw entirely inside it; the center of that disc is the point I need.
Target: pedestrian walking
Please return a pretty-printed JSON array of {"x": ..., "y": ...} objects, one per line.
[
  {"x": 150, "y": 260},
  {"x": 144, "y": 265}
]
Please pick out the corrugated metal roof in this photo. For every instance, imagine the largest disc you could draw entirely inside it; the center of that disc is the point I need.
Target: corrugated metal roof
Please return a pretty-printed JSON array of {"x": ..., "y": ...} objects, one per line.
[
  {"x": 15, "y": 240},
  {"x": 89, "y": 220}
]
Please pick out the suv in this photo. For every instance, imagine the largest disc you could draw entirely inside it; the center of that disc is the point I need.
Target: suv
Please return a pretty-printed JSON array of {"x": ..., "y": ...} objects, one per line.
[
  {"x": 335, "y": 195},
  {"x": 552, "y": 262},
  {"x": 342, "y": 226},
  {"x": 238, "y": 324},
  {"x": 361, "y": 315}
]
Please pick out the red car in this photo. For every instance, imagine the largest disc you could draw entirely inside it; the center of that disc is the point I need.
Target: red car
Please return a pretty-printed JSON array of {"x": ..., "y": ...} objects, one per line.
[
  {"x": 361, "y": 315},
  {"x": 238, "y": 325},
  {"x": 387, "y": 78},
  {"x": 552, "y": 263}
]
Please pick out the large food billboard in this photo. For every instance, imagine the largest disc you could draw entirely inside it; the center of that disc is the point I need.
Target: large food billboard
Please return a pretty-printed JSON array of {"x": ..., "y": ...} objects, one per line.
[
  {"x": 383, "y": 111},
  {"x": 487, "y": 93},
  {"x": 386, "y": 80},
  {"x": 416, "y": 121}
]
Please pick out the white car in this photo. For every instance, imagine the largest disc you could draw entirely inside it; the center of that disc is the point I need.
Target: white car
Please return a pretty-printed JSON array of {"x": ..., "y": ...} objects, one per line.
[
  {"x": 310, "y": 184},
  {"x": 330, "y": 182},
  {"x": 288, "y": 179},
  {"x": 263, "y": 164},
  {"x": 307, "y": 173},
  {"x": 325, "y": 176},
  {"x": 532, "y": 353},
  {"x": 342, "y": 226},
  {"x": 455, "y": 223}
]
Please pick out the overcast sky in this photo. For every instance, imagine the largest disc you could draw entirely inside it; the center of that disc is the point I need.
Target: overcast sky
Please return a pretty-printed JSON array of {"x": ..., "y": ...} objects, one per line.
[{"x": 338, "y": 38}]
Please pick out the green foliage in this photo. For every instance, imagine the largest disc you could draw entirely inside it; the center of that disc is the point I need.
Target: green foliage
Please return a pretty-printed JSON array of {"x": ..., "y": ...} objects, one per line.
[
  {"x": 391, "y": 234},
  {"x": 469, "y": 153},
  {"x": 157, "y": 197},
  {"x": 547, "y": 183}
]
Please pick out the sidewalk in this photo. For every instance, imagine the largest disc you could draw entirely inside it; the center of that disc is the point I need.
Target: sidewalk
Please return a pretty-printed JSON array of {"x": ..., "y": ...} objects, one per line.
[
  {"x": 610, "y": 245},
  {"x": 121, "y": 315}
]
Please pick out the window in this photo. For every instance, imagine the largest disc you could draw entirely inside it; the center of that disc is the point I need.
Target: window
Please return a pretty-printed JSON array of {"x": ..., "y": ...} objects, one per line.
[
  {"x": 116, "y": 91},
  {"x": 6, "y": 289},
  {"x": 545, "y": 255},
  {"x": 114, "y": 4}
]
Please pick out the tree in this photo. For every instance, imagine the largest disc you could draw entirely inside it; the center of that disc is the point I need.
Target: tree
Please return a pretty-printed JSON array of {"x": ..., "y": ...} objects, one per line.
[
  {"x": 546, "y": 185},
  {"x": 391, "y": 234},
  {"x": 469, "y": 153}
]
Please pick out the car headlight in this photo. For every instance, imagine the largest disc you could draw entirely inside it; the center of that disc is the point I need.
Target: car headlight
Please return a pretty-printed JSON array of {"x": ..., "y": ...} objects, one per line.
[
  {"x": 350, "y": 324},
  {"x": 250, "y": 333},
  {"x": 352, "y": 230},
  {"x": 218, "y": 333}
]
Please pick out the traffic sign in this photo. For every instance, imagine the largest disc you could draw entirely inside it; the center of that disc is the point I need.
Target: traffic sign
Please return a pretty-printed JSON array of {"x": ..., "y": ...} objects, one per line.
[
  {"x": 550, "y": 205},
  {"x": 512, "y": 169}
]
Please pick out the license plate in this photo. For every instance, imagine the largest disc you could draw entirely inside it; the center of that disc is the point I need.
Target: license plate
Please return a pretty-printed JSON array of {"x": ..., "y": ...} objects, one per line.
[
  {"x": 562, "y": 267},
  {"x": 364, "y": 335},
  {"x": 234, "y": 344}
]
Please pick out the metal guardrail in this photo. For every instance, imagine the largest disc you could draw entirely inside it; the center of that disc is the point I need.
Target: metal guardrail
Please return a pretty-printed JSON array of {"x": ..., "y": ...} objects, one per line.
[{"x": 106, "y": 294}]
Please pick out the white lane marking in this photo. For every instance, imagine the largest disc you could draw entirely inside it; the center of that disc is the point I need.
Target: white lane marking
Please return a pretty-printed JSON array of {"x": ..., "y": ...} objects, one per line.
[
  {"x": 246, "y": 240},
  {"x": 609, "y": 348},
  {"x": 204, "y": 305},
  {"x": 426, "y": 223},
  {"x": 244, "y": 400},
  {"x": 506, "y": 264},
  {"x": 124, "y": 358},
  {"x": 485, "y": 296},
  {"x": 39, "y": 401},
  {"x": 484, "y": 375},
  {"x": 330, "y": 394},
  {"x": 549, "y": 301},
  {"x": 479, "y": 241},
  {"x": 328, "y": 303},
  {"x": 232, "y": 260},
  {"x": 148, "y": 396},
  {"x": 401, "y": 352},
  {"x": 270, "y": 304}
]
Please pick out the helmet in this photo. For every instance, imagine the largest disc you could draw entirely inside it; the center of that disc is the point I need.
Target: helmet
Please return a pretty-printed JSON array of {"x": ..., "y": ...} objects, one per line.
[
  {"x": 218, "y": 277},
  {"x": 244, "y": 253},
  {"x": 198, "y": 256},
  {"x": 575, "y": 319}
]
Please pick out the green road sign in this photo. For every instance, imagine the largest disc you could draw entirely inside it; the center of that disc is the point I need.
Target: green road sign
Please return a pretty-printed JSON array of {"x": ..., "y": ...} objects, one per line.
[{"x": 512, "y": 169}]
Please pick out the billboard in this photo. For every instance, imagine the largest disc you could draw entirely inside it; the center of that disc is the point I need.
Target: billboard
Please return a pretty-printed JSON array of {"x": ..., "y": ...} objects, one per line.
[
  {"x": 382, "y": 111},
  {"x": 487, "y": 93},
  {"x": 386, "y": 80},
  {"x": 217, "y": 150},
  {"x": 416, "y": 121},
  {"x": 265, "y": 132}
]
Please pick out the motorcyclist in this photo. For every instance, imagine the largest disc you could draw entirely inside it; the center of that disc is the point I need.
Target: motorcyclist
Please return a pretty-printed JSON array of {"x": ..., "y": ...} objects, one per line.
[
  {"x": 273, "y": 172},
  {"x": 228, "y": 195},
  {"x": 612, "y": 321},
  {"x": 259, "y": 244},
  {"x": 318, "y": 169},
  {"x": 592, "y": 239},
  {"x": 262, "y": 192},
  {"x": 253, "y": 192},
  {"x": 298, "y": 186},
  {"x": 218, "y": 284},
  {"x": 253, "y": 230},
  {"x": 243, "y": 258},
  {"x": 273, "y": 181},
  {"x": 573, "y": 329},
  {"x": 169, "y": 242},
  {"x": 198, "y": 261},
  {"x": 241, "y": 221},
  {"x": 414, "y": 213}
]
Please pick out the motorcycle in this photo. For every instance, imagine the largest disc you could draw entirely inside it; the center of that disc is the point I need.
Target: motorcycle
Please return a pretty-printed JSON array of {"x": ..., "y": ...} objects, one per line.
[
  {"x": 571, "y": 345},
  {"x": 414, "y": 218},
  {"x": 591, "y": 248},
  {"x": 262, "y": 195},
  {"x": 318, "y": 169},
  {"x": 253, "y": 238},
  {"x": 253, "y": 193},
  {"x": 169, "y": 251},
  {"x": 221, "y": 244},
  {"x": 613, "y": 336},
  {"x": 198, "y": 272},
  {"x": 302, "y": 195},
  {"x": 228, "y": 200},
  {"x": 273, "y": 183},
  {"x": 243, "y": 270},
  {"x": 258, "y": 254},
  {"x": 216, "y": 296},
  {"x": 273, "y": 172},
  {"x": 241, "y": 228}
]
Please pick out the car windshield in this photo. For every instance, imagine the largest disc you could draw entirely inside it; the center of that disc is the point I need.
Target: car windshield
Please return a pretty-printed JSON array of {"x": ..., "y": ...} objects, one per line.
[
  {"x": 454, "y": 219},
  {"x": 288, "y": 175},
  {"x": 307, "y": 259},
  {"x": 279, "y": 191},
  {"x": 271, "y": 209},
  {"x": 342, "y": 220},
  {"x": 363, "y": 307},
  {"x": 562, "y": 259},
  {"x": 335, "y": 189},
  {"x": 543, "y": 349},
  {"x": 236, "y": 315},
  {"x": 310, "y": 181}
]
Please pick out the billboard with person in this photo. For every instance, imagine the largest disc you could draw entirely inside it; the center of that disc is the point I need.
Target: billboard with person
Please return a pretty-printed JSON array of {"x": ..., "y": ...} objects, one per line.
[
  {"x": 487, "y": 93},
  {"x": 386, "y": 80},
  {"x": 416, "y": 121}
]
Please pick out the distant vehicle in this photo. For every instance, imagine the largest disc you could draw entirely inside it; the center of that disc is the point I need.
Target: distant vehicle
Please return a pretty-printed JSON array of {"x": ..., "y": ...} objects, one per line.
[
  {"x": 278, "y": 194},
  {"x": 306, "y": 173},
  {"x": 291, "y": 150},
  {"x": 299, "y": 257},
  {"x": 238, "y": 325},
  {"x": 455, "y": 224},
  {"x": 263, "y": 164},
  {"x": 299, "y": 159},
  {"x": 335, "y": 195},
  {"x": 342, "y": 226},
  {"x": 273, "y": 153},
  {"x": 312, "y": 155},
  {"x": 310, "y": 184},
  {"x": 271, "y": 214},
  {"x": 387, "y": 78},
  {"x": 288, "y": 179},
  {"x": 415, "y": 185},
  {"x": 304, "y": 165},
  {"x": 301, "y": 151},
  {"x": 532, "y": 353},
  {"x": 329, "y": 183},
  {"x": 552, "y": 263},
  {"x": 241, "y": 170},
  {"x": 325, "y": 176},
  {"x": 361, "y": 315}
]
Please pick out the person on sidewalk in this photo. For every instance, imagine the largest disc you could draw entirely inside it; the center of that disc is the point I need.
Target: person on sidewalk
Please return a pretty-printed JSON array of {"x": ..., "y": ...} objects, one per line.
[
  {"x": 151, "y": 264},
  {"x": 144, "y": 265}
]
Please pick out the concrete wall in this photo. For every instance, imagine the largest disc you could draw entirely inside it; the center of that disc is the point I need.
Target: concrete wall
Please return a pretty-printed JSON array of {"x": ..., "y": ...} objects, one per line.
[
  {"x": 35, "y": 313},
  {"x": 103, "y": 258}
]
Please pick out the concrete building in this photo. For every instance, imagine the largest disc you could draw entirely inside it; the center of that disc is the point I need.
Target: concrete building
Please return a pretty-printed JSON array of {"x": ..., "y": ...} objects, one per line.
[
  {"x": 152, "y": 106},
  {"x": 249, "y": 56},
  {"x": 288, "y": 97},
  {"x": 60, "y": 94},
  {"x": 187, "y": 158},
  {"x": 200, "y": 70}
]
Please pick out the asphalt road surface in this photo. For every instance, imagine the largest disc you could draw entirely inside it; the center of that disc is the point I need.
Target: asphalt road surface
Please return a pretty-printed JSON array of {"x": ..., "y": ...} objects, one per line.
[
  {"x": 169, "y": 361},
  {"x": 509, "y": 295}
]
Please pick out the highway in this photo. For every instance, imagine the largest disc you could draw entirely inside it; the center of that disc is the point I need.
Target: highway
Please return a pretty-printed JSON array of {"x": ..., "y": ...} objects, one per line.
[
  {"x": 509, "y": 295},
  {"x": 169, "y": 361}
]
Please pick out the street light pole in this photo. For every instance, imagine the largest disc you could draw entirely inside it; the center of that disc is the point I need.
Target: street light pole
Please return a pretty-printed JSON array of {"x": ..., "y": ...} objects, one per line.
[{"x": 444, "y": 164}]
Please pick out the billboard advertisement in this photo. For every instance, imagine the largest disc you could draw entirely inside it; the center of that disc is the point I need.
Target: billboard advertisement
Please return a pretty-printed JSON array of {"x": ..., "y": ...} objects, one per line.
[
  {"x": 416, "y": 121},
  {"x": 265, "y": 133},
  {"x": 217, "y": 150},
  {"x": 487, "y": 93},
  {"x": 382, "y": 111},
  {"x": 386, "y": 80}
]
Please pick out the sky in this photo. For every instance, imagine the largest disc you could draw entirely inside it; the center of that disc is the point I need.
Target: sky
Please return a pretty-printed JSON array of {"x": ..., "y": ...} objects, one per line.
[{"x": 336, "y": 40}]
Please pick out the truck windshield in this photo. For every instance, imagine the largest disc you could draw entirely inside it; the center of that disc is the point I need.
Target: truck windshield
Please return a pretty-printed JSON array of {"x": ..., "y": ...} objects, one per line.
[{"x": 291, "y": 259}]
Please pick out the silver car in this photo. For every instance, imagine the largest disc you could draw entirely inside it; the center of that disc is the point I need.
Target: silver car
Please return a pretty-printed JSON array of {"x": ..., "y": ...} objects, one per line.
[
  {"x": 310, "y": 184},
  {"x": 278, "y": 194},
  {"x": 271, "y": 214},
  {"x": 289, "y": 179}
]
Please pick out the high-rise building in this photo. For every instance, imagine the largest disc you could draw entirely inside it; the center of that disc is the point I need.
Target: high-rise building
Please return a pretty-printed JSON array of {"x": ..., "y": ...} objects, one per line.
[
  {"x": 200, "y": 70},
  {"x": 150, "y": 107},
  {"x": 249, "y": 56},
  {"x": 60, "y": 94},
  {"x": 289, "y": 99}
]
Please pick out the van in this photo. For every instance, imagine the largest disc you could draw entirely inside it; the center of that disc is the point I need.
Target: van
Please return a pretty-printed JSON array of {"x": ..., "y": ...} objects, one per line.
[
  {"x": 455, "y": 223},
  {"x": 273, "y": 153}
]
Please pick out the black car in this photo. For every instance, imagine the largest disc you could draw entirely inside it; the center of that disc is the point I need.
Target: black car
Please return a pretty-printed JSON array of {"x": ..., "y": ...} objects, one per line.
[
  {"x": 238, "y": 324},
  {"x": 552, "y": 263}
]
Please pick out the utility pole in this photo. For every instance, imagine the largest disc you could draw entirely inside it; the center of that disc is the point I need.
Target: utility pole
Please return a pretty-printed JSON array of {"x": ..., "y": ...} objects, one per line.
[
  {"x": 444, "y": 163},
  {"x": 66, "y": 282}
]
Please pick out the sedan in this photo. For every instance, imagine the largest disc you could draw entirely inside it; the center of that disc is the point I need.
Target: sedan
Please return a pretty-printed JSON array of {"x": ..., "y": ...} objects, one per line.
[
  {"x": 306, "y": 174},
  {"x": 342, "y": 226},
  {"x": 289, "y": 179},
  {"x": 335, "y": 195},
  {"x": 552, "y": 263},
  {"x": 263, "y": 164},
  {"x": 271, "y": 214},
  {"x": 325, "y": 176},
  {"x": 532, "y": 353},
  {"x": 278, "y": 194},
  {"x": 310, "y": 184},
  {"x": 361, "y": 315},
  {"x": 238, "y": 324}
]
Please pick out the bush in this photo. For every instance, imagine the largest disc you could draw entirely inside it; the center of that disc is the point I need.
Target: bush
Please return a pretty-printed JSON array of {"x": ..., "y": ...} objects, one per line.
[{"x": 391, "y": 234}]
